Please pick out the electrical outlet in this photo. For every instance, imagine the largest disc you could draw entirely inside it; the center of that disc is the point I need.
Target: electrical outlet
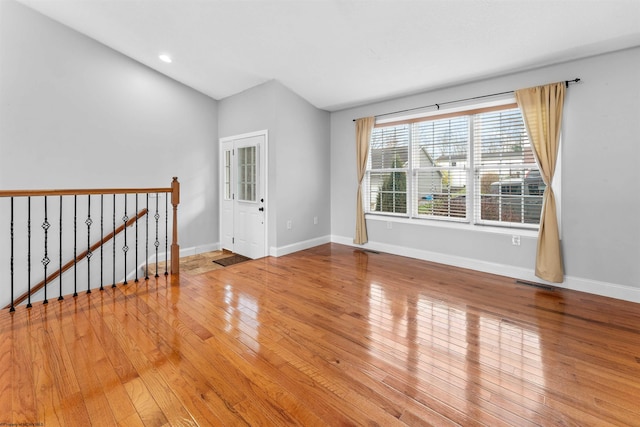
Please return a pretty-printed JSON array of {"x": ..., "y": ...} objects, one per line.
[
  {"x": 289, "y": 224},
  {"x": 515, "y": 240},
  {"x": 315, "y": 220},
  {"x": 389, "y": 225}
]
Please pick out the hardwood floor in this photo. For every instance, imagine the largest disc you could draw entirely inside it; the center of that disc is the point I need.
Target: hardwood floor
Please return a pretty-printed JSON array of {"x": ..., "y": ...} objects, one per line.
[
  {"x": 330, "y": 336},
  {"x": 194, "y": 264}
]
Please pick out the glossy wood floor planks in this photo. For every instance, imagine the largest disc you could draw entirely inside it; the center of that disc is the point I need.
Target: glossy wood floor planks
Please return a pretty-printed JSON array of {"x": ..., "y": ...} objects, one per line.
[{"x": 330, "y": 336}]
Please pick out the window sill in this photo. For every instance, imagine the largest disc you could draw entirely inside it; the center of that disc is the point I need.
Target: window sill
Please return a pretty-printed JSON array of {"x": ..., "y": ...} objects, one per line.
[{"x": 453, "y": 225}]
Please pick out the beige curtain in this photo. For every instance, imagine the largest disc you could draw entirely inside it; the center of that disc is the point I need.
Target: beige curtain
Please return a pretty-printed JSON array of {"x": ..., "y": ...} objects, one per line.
[
  {"x": 363, "y": 134},
  {"x": 542, "y": 110}
]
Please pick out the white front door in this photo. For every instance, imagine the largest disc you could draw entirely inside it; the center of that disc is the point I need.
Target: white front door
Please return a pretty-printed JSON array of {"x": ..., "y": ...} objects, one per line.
[{"x": 243, "y": 192}]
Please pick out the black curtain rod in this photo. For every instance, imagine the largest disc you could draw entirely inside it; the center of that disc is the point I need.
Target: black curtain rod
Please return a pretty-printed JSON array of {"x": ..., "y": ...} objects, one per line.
[{"x": 566, "y": 82}]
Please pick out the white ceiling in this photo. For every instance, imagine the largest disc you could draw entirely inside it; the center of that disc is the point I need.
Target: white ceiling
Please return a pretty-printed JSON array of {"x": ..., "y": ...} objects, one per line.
[{"x": 342, "y": 53}]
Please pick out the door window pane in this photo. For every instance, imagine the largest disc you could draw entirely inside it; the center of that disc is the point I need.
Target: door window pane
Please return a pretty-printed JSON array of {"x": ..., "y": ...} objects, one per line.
[
  {"x": 227, "y": 174},
  {"x": 247, "y": 170}
]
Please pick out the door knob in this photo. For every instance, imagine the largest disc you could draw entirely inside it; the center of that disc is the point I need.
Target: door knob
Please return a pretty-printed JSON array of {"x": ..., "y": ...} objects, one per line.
[{"x": 261, "y": 209}]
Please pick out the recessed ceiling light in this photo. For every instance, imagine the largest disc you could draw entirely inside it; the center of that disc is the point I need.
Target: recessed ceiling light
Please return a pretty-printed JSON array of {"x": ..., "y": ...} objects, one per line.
[{"x": 165, "y": 58}]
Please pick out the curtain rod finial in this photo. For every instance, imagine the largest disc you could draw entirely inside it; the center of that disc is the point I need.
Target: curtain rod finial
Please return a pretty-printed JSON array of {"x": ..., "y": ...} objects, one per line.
[{"x": 576, "y": 80}]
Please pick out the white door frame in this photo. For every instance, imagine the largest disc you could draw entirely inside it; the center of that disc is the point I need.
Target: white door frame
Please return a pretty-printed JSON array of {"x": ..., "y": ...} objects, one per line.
[{"x": 265, "y": 177}]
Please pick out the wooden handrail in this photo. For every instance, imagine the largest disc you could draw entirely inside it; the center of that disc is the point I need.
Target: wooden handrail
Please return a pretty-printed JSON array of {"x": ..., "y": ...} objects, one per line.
[
  {"x": 83, "y": 192},
  {"x": 80, "y": 257}
]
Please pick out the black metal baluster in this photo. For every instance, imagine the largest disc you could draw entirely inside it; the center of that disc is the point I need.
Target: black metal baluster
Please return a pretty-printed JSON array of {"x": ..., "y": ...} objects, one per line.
[
  {"x": 157, "y": 242},
  {"x": 125, "y": 248},
  {"x": 102, "y": 242},
  {"x": 75, "y": 245},
  {"x": 114, "y": 242},
  {"x": 89, "y": 221},
  {"x": 60, "y": 297},
  {"x": 136, "y": 238},
  {"x": 146, "y": 262},
  {"x": 12, "y": 284},
  {"x": 29, "y": 252},
  {"x": 45, "y": 260},
  {"x": 166, "y": 233}
]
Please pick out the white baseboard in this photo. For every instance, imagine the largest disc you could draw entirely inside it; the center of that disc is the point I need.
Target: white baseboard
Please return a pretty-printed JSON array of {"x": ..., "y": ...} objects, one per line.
[
  {"x": 195, "y": 250},
  {"x": 611, "y": 290},
  {"x": 299, "y": 246},
  {"x": 605, "y": 289}
]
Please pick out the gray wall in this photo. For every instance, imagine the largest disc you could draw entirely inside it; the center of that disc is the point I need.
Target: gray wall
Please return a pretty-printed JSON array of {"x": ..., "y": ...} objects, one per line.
[
  {"x": 74, "y": 113},
  {"x": 600, "y": 205},
  {"x": 298, "y": 160}
]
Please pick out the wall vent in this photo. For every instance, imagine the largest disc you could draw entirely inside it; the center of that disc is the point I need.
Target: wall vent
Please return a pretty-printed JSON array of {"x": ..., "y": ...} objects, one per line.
[
  {"x": 367, "y": 251},
  {"x": 536, "y": 285}
]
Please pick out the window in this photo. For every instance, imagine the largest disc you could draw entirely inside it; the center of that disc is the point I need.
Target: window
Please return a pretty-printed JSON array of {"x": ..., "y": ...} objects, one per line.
[{"x": 475, "y": 166}]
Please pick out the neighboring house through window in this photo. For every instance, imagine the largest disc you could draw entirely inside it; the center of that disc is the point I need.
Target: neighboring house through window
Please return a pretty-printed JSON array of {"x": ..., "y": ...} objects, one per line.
[{"x": 473, "y": 166}]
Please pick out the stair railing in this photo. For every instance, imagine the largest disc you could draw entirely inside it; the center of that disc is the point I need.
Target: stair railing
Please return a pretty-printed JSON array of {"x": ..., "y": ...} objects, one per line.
[{"x": 58, "y": 233}]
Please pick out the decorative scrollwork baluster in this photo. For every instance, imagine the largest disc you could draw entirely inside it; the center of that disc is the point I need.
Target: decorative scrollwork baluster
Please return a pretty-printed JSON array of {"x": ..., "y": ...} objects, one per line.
[
  {"x": 166, "y": 233},
  {"x": 89, "y": 221},
  {"x": 125, "y": 248},
  {"x": 45, "y": 260}
]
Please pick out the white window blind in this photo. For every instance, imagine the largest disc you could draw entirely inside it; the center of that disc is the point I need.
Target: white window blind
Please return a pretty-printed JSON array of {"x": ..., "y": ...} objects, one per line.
[
  {"x": 388, "y": 164},
  {"x": 508, "y": 185},
  {"x": 440, "y": 160}
]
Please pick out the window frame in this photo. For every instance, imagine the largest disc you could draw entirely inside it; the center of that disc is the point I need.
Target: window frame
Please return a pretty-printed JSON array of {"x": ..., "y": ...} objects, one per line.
[{"x": 473, "y": 209}]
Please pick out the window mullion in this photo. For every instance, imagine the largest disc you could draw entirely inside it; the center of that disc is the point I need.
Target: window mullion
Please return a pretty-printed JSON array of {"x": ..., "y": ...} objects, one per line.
[
  {"x": 410, "y": 175},
  {"x": 472, "y": 176}
]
